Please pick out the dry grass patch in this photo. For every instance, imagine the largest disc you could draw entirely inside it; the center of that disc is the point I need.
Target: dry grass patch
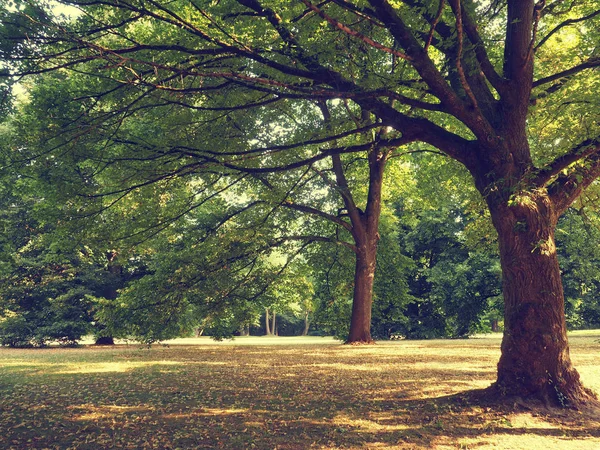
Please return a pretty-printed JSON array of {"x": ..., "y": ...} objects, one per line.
[{"x": 252, "y": 394}]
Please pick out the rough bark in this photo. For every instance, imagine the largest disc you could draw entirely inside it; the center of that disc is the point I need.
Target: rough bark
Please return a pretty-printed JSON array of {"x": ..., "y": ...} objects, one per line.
[
  {"x": 364, "y": 274},
  {"x": 535, "y": 362}
]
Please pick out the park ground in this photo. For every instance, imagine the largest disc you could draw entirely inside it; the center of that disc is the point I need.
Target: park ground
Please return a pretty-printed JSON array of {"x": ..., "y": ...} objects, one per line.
[{"x": 278, "y": 393}]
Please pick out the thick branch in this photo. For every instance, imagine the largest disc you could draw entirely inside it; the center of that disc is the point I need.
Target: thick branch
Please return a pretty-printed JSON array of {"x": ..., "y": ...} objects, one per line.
[
  {"x": 418, "y": 56},
  {"x": 480, "y": 53},
  {"x": 589, "y": 64},
  {"x": 457, "y": 10},
  {"x": 517, "y": 64},
  {"x": 420, "y": 129},
  {"x": 430, "y": 74},
  {"x": 581, "y": 151},
  {"x": 566, "y": 189}
]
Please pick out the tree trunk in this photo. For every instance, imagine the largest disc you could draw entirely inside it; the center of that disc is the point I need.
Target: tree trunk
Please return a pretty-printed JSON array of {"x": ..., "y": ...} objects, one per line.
[
  {"x": 306, "y": 324},
  {"x": 535, "y": 362},
  {"x": 495, "y": 326},
  {"x": 267, "y": 326},
  {"x": 274, "y": 324},
  {"x": 365, "y": 233},
  {"x": 364, "y": 274},
  {"x": 105, "y": 340}
]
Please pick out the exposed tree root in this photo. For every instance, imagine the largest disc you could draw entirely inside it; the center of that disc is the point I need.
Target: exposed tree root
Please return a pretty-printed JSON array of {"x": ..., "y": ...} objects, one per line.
[{"x": 586, "y": 405}]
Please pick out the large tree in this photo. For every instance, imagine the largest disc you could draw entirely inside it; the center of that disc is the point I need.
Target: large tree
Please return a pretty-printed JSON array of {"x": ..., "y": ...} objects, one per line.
[{"x": 473, "y": 79}]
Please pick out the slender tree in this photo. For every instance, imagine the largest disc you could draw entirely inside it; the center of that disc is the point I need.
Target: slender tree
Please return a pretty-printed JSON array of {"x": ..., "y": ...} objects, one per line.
[{"x": 431, "y": 71}]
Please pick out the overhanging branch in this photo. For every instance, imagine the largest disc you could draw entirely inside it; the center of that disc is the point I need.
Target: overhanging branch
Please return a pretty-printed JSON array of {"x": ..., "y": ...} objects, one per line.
[
  {"x": 317, "y": 212},
  {"x": 564, "y": 24},
  {"x": 566, "y": 189},
  {"x": 591, "y": 63},
  {"x": 580, "y": 152},
  {"x": 367, "y": 40}
]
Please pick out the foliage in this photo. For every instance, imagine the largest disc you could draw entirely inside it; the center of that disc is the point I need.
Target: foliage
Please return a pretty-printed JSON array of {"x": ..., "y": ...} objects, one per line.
[
  {"x": 454, "y": 286},
  {"x": 580, "y": 267},
  {"x": 52, "y": 285}
]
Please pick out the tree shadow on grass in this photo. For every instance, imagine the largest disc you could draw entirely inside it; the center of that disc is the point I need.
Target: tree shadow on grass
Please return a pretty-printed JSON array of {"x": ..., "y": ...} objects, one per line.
[
  {"x": 287, "y": 399},
  {"x": 175, "y": 419}
]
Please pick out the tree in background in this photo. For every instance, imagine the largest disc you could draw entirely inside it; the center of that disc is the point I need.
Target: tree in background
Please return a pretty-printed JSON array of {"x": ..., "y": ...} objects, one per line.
[
  {"x": 577, "y": 233},
  {"x": 52, "y": 286},
  {"x": 332, "y": 271},
  {"x": 454, "y": 286},
  {"x": 444, "y": 229}
]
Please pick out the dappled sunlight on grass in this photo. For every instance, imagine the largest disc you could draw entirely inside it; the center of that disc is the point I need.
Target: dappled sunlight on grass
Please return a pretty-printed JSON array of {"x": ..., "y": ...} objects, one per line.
[
  {"x": 395, "y": 395},
  {"x": 30, "y": 368},
  {"x": 111, "y": 367},
  {"x": 344, "y": 422},
  {"x": 207, "y": 412},
  {"x": 94, "y": 413},
  {"x": 351, "y": 367}
]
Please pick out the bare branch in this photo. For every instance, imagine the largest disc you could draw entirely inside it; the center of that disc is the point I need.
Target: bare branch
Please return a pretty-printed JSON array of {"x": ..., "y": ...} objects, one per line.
[
  {"x": 311, "y": 238},
  {"x": 550, "y": 90},
  {"x": 566, "y": 189},
  {"x": 537, "y": 14},
  {"x": 480, "y": 53},
  {"x": 308, "y": 161},
  {"x": 340, "y": 176},
  {"x": 419, "y": 58}
]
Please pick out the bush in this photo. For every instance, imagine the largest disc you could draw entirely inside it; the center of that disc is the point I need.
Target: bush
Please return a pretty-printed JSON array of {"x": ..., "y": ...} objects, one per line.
[
  {"x": 16, "y": 332},
  {"x": 66, "y": 333}
]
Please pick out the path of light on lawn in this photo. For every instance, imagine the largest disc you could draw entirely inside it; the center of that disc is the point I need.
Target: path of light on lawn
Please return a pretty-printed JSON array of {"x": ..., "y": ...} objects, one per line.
[{"x": 38, "y": 368}]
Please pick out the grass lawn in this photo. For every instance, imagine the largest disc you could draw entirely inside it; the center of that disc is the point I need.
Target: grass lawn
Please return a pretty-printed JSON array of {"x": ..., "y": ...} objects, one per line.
[{"x": 276, "y": 393}]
